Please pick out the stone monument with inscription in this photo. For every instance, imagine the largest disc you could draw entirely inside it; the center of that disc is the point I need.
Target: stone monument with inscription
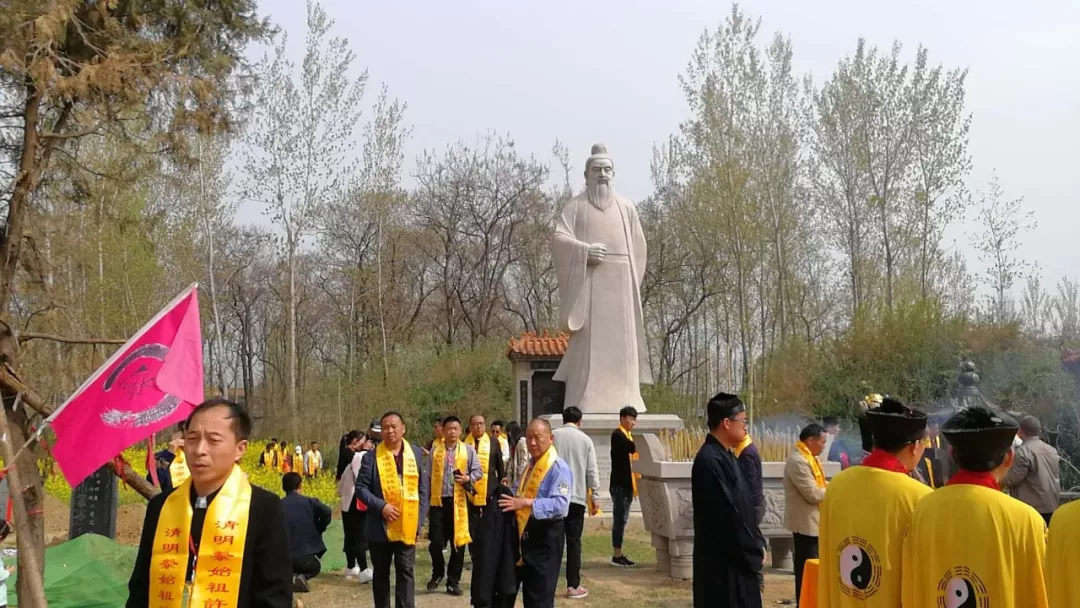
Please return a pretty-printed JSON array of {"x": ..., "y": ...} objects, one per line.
[
  {"x": 599, "y": 253},
  {"x": 93, "y": 505}
]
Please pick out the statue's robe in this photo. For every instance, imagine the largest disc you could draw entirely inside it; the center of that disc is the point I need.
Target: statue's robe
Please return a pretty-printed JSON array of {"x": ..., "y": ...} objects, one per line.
[{"x": 606, "y": 361}]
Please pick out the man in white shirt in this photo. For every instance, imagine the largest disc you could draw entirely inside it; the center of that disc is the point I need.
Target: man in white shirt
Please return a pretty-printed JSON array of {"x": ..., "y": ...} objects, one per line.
[{"x": 577, "y": 449}]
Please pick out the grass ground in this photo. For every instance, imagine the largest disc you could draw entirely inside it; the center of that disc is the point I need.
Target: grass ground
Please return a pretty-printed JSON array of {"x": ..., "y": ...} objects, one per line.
[{"x": 640, "y": 587}]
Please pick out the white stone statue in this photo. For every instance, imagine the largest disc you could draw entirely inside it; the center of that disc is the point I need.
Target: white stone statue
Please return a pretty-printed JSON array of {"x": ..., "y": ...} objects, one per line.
[{"x": 599, "y": 255}]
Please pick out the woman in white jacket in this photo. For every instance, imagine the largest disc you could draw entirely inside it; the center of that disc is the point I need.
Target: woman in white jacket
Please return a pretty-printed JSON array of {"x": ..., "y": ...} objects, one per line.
[{"x": 353, "y": 512}]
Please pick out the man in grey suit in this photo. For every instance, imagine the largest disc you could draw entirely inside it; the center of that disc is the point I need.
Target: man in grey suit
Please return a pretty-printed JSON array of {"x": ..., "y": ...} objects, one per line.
[
  {"x": 1034, "y": 477},
  {"x": 369, "y": 489},
  {"x": 577, "y": 449}
]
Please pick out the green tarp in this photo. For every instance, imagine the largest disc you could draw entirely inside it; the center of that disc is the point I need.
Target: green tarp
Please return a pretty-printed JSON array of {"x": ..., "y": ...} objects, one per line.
[{"x": 92, "y": 571}]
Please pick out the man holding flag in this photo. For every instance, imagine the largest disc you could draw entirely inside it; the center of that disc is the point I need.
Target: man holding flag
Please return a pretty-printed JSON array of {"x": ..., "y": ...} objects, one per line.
[{"x": 215, "y": 540}]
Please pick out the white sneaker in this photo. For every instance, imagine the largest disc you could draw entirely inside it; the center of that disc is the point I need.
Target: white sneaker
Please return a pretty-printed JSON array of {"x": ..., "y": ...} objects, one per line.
[
  {"x": 366, "y": 576},
  {"x": 351, "y": 573}
]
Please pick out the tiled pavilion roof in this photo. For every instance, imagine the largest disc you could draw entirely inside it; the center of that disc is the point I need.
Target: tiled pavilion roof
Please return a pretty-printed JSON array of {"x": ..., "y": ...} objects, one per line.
[{"x": 531, "y": 345}]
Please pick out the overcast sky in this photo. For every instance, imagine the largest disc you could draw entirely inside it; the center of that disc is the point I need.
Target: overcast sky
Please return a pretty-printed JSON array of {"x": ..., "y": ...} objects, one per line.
[{"x": 606, "y": 70}]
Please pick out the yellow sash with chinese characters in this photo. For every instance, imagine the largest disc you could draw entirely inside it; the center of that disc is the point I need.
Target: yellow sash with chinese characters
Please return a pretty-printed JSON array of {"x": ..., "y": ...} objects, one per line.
[
  {"x": 216, "y": 577},
  {"x": 815, "y": 466},
  {"x": 178, "y": 470},
  {"x": 461, "y": 504},
  {"x": 529, "y": 488},
  {"x": 403, "y": 493},
  {"x": 483, "y": 451},
  {"x": 633, "y": 476}
]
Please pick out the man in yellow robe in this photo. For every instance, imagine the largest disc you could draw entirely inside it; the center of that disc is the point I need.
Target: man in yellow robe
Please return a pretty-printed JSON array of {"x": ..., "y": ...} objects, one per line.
[
  {"x": 988, "y": 548},
  {"x": 867, "y": 511},
  {"x": 1063, "y": 556}
]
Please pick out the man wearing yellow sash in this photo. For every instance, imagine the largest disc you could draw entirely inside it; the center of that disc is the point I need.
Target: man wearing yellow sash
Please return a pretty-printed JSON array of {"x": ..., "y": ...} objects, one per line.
[
  {"x": 540, "y": 505},
  {"x": 269, "y": 458},
  {"x": 170, "y": 463},
  {"x": 215, "y": 541},
  {"x": 485, "y": 545},
  {"x": 455, "y": 469},
  {"x": 313, "y": 462},
  {"x": 623, "y": 483},
  {"x": 867, "y": 512},
  {"x": 393, "y": 485},
  {"x": 498, "y": 431},
  {"x": 804, "y": 489}
]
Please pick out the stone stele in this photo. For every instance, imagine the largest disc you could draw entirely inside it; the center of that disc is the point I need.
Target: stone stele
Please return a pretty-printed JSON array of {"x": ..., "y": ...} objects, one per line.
[{"x": 599, "y": 255}]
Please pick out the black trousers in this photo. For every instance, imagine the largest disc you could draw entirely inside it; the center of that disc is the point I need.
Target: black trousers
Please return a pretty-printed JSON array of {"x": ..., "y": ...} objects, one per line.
[
  {"x": 355, "y": 545},
  {"x": 542, "y": 552},
  {"x": 575, "y": 525},
  {"x": 441, "y": 532},
  {"x": 759, "y": 514},
  {"x": 806, "y": 547},
  {"x": 404, "y": 558},
  {"x": 307, "y": 566}
]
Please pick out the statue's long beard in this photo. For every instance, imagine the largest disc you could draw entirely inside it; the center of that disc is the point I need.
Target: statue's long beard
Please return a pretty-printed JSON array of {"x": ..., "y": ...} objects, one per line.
[{"x": 600, "y": 195}]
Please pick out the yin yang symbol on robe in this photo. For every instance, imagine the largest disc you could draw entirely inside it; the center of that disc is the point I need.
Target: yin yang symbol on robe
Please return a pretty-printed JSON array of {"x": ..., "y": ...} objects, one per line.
[
  {"x": 960, "y": 593},
  {"x": 859, "y": 567},
  {"x": 855, "y": 567}
]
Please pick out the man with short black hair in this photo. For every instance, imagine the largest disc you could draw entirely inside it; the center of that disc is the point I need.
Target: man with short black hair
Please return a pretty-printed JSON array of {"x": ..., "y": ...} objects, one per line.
[
  {"x": 729, "y": 550},
  {"x": 216, "y": 520},
  {"x": 454, "y": 469},
  {"x": 393, "y": 483},
  {"x": 989, "y": 548},
  {"x": 498, "y": 431},
  {"x": 305, "y": 521},
  {"x": 1034, "y": 477},
  {"x": 804, "y": 489},
  {"x": 577, "y": 449},
  {"x": 623, "y": 486}
]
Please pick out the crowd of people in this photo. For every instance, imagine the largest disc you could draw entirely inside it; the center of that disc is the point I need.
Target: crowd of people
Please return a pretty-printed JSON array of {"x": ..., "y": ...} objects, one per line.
[
  {"x": 917, "y": 517},
  {"x": 515, "y": 499},
  {"x": 913, "y": 525}
]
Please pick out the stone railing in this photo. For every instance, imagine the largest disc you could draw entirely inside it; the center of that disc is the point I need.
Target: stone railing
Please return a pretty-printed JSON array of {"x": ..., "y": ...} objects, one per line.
[{"x": 667, "y": 507}]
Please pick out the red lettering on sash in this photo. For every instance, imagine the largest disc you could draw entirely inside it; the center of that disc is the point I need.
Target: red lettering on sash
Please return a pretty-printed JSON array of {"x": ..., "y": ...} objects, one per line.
[
  {"x": 224, "y": 539},
  {"x": 170, "y": 547},
  {"x": 220, "y": 571}
]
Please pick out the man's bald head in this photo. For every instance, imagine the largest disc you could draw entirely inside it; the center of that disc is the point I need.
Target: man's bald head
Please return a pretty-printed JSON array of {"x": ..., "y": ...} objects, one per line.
[{"x": 538, "y": 437}]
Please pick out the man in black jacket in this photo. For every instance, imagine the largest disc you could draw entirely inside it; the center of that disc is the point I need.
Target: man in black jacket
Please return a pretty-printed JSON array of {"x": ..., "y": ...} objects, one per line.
[
  {"x": 623, "y": 486},
  {"x": 305, "y": 521},
  {"x": 384, "y": 511},
  {"x": 215, "y": 440}
]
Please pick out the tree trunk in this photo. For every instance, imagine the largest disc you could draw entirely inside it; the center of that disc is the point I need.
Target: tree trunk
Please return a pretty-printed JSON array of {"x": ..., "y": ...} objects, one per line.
[
  {"x": 294, "y": 413},
  {"x": 29, "y": 515}
]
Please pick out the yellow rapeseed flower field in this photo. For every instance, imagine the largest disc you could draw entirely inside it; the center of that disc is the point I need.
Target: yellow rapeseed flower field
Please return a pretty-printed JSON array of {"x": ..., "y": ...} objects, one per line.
[{"x": 323, "y": 487}]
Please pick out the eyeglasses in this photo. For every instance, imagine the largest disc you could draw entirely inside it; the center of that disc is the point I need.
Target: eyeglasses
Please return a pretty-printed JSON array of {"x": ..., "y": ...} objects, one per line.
[{"x": 742, "y": 421}]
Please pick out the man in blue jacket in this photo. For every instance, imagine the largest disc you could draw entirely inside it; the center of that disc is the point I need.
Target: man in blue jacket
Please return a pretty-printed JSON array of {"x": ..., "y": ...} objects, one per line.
[
  {"x": 305, "y": 521},
  {"x": 394, "y": 486}
]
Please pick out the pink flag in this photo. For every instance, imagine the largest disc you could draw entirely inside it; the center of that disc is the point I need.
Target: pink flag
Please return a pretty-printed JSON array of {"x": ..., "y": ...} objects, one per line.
[{"x": 150, "y": 383}]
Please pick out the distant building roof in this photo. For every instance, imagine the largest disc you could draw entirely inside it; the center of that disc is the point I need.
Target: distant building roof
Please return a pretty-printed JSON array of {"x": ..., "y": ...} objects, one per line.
[{"x": 531, "y": 345}]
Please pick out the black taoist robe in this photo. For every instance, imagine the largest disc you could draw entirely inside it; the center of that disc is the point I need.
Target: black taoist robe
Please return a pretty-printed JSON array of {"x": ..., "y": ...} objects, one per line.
[{"x": 728, "y": 546}]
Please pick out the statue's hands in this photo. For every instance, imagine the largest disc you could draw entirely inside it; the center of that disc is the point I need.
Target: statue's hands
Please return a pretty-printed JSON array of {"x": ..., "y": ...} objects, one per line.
[{"x": 597, "y": 251}]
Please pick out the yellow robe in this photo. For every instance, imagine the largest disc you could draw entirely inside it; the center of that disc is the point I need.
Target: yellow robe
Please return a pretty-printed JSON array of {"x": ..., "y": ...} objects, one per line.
[
  {"x": 1063, "y": 557},
  {"x": 864, "y": 517},
  {"x": 971, "y": 546}
]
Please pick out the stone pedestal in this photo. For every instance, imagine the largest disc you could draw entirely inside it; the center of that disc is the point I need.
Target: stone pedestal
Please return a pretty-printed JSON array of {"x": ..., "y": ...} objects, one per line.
[
  {"x": 599, "y": 428},
  {"x": 667, "y": 507}
]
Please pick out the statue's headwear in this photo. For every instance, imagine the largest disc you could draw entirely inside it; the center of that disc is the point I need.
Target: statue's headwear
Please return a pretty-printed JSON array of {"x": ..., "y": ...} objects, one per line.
[{"x": 599, "y": 151}]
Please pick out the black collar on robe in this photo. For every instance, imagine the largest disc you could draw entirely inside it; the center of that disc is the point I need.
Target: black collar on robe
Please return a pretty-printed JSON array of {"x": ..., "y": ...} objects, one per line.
[{"x": 198, "y": 517}]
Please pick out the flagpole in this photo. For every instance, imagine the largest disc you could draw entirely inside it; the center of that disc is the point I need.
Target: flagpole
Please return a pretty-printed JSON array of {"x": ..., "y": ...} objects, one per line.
[{"x": 116, "y": 355}]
